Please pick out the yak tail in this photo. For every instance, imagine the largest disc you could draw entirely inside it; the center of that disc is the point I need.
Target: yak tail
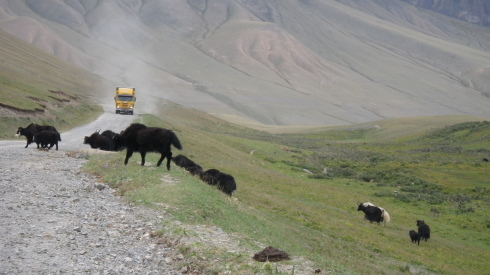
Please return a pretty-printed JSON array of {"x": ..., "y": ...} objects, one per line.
[
  {"x": 386, "y": 216},
  {"x": 175, "y": 140}
]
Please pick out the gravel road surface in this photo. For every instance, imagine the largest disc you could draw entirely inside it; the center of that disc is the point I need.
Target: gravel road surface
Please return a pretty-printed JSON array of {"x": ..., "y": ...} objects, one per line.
[{"x": 56, "y": 220}]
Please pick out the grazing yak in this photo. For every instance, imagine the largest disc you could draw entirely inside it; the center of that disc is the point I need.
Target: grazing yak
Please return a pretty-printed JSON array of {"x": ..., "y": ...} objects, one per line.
[
  {"x": 373, "y": 213},
  {"x": 222, "y": 181},
  {"x": 32, "y": 129},
  {"x": 187, "y": 164},
  {"x": 139, "y": 138},
  {"x": 210, "y": 176},
  {"x": 423, "y": 230},
  {"x": 98, "y": 141},
  {"x": 46, "y": 138},
  {"x": 414, "y": 236}
]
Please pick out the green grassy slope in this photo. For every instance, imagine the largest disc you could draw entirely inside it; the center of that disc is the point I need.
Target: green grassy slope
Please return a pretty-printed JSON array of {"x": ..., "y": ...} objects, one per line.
[
  {"x": 436, "y": 175},
  {"x": 37, "y": 87}
]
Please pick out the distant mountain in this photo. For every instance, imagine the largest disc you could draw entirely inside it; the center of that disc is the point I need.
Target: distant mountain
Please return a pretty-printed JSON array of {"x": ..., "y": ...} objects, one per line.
[
  {"x": 475, "y": 11},
  {"x": 278, "y": 62}
]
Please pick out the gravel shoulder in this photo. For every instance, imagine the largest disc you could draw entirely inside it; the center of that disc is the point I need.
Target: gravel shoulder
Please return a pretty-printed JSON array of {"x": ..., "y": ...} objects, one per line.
[{"x": 55, "y": 219}]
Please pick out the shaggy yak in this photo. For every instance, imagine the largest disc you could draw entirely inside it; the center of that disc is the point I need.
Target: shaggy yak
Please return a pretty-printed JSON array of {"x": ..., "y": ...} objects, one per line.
[
  {"x": 186, "y": 163},
  {"x": 373, "y": 213},
  {"x": 98, "y": 141},
  {"x": 222, "y": 181},
  {"x": 424, "y": 230},
  {"x": 139, "y": 138},
  {"x": 110, "y": 135}
]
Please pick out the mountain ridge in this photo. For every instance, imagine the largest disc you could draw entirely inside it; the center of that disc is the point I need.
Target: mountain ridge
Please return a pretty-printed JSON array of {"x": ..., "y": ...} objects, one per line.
[{"x": 273, "y": 62}]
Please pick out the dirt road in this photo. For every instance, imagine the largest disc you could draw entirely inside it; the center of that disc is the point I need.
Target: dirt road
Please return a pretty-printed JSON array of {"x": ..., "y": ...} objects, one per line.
[{"x": 56, "y": 220}]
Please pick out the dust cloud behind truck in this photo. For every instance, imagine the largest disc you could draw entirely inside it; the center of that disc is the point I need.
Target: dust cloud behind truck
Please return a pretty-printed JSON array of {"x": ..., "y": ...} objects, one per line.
[{"x": 125, "y": 98}]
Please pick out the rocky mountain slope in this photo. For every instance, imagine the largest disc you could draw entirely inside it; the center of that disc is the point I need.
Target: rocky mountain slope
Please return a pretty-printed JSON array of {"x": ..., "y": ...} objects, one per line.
[
  {"x": 276, "y": 62},
  {"x": 475, "y": 12}
]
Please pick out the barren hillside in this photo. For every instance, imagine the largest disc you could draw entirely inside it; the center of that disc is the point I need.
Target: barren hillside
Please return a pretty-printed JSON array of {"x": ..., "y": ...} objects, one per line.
[{"x": 275, "y": 62}]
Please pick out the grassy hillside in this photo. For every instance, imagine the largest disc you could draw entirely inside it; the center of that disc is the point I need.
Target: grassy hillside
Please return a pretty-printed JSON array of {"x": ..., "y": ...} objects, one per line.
[
  {"x": 37, "y": 87},
  {"x": 435, "y": 174}
]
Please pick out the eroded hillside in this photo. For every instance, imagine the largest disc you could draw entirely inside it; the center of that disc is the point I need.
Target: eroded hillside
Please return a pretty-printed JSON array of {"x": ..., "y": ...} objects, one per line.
[{"x": 271, "y": 62}]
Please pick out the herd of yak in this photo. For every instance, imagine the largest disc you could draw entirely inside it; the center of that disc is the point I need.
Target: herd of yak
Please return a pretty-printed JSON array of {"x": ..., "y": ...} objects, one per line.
[{"x": 138, "y": 137}]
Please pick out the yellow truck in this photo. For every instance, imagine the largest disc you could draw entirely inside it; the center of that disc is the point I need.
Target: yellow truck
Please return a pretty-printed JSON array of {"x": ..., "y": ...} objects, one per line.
[{"x": 125, "y": 100}]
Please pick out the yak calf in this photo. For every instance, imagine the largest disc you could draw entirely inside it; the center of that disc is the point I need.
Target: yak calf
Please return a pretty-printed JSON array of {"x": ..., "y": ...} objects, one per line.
[
  {"x": 414, "y": 236},
  {"x": 45, "y": 138}
]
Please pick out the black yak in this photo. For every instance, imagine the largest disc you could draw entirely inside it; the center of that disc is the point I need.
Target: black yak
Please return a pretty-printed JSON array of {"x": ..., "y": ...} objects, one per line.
[
  {"x": 222, "y": 181},
  {"x": 46, "y": 138},
  {"x": 373, "y": 213},
  {"x": 414, "y": 236},
  {"x": 32, "y": 129},
  {"x": 139, "y": 138},
  {"x": 424, "y": 230},
  {"x": 98, "y": 141},
  {"x": 110, "y": 135},
  {"x": 210, "y": 176},
  {"x": 187, "y": 164}
]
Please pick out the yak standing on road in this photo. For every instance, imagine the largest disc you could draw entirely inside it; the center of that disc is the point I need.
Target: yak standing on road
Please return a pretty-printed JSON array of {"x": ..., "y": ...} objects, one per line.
[
  {"x": 32, "y": 129},
  {"x": 139, "y": 138},
  {"x": 373, "y": 213},
  {"x": 47, "y": 138}
]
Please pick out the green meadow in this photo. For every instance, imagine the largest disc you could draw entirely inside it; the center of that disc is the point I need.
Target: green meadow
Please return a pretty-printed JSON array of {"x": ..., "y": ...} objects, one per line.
[{"x": 299, "y": 192}]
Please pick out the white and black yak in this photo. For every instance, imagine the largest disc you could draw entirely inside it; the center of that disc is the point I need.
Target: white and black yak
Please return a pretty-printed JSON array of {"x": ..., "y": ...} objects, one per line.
[
  {"x": 373, "y": 213},
  {"x": 423, "y": 230},
  {"x": 32, "y": 129},
  {"x": 47, "y": 138},
  {"x": 139, "y": 138}
]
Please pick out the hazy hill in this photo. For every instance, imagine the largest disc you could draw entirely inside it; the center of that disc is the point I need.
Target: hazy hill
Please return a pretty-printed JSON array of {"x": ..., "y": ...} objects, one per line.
[
  {"x": 278, "y": 62},
  {"x": 475, "y": 12},
  {"x": 38, "y": 85}
]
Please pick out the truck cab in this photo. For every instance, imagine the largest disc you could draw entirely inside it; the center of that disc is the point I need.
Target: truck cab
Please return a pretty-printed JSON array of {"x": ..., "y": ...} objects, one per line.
[{"x": 125, "y": 98}]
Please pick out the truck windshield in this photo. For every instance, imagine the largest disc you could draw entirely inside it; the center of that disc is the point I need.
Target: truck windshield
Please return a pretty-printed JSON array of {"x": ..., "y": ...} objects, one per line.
[{"x": 125, "y": 98}]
